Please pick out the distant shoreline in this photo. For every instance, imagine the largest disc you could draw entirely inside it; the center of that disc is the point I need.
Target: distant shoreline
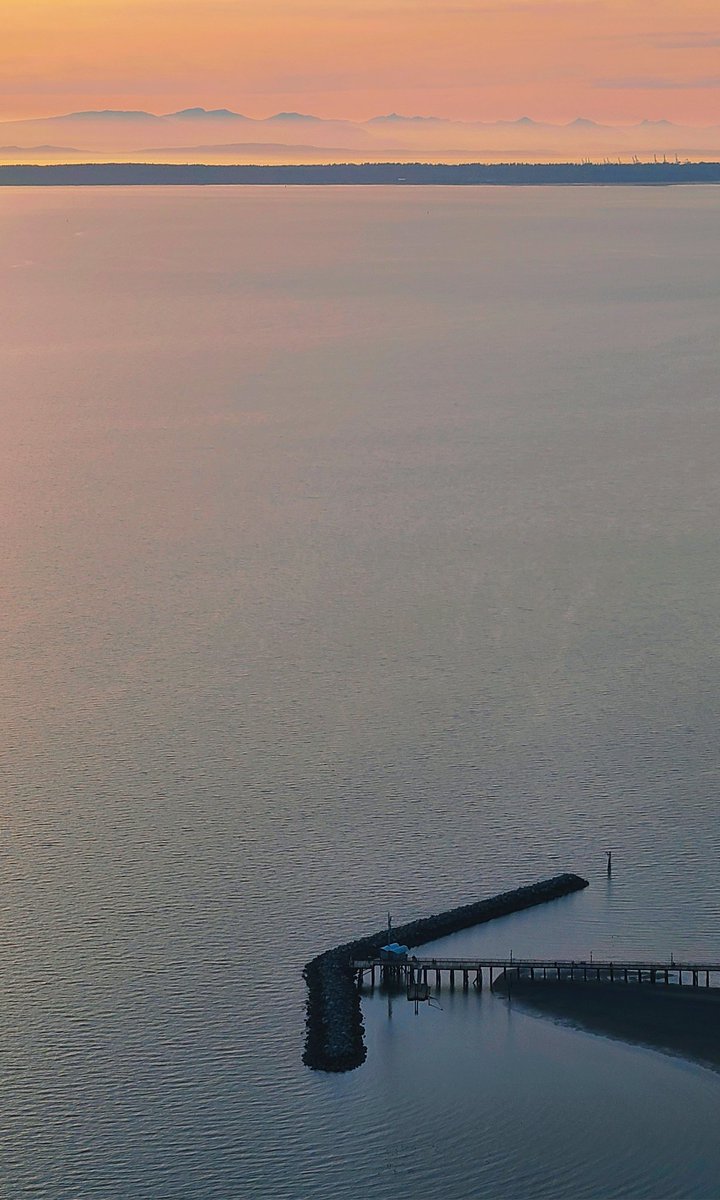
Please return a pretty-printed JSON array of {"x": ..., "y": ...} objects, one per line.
[{"x": 660, "y": 174}]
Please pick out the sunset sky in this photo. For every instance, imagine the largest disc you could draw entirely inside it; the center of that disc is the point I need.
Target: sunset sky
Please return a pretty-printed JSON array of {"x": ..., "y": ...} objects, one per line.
[{"x": 612, "y": 60}]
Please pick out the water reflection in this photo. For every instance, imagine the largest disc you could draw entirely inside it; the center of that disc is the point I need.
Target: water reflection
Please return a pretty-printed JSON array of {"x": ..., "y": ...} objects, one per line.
[{"x": 359, "y": 554}]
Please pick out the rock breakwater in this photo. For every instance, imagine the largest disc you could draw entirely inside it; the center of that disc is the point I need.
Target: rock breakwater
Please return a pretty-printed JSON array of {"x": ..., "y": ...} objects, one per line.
[{"x": 334, "y": 1026}]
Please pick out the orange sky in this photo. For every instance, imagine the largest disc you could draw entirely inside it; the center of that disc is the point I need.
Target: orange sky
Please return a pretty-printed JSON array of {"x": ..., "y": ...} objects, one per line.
[{"x": 613, "y": 60}]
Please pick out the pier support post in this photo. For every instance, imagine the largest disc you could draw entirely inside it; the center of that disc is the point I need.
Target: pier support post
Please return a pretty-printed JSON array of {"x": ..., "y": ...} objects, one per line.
[
  {"x": 612, "y": 973},
  {"x": 466, "y": 981},
  {"x": 492, "y": 981},
  {"x": 695, "y": 978},
  {"x": 452, "y": 980},
  {"x": 438, "y": 982},
  {"x": 478, "y": 979}
]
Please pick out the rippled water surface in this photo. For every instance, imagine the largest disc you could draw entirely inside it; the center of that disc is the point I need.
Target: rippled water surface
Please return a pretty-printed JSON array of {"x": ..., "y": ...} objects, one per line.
[{"x": 359, "y": 554}]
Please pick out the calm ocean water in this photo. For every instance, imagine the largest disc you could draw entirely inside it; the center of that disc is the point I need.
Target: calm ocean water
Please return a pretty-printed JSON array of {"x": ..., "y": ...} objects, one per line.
[{"x": 359, "y": 553}]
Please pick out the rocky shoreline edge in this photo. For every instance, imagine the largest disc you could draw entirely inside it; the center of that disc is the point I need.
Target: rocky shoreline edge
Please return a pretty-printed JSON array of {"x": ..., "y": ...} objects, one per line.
[{"x": 334, "y": 1039}]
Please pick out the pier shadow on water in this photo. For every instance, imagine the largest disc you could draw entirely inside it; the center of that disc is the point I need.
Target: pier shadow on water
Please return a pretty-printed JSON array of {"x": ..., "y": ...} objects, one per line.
[{"x": 681, "y": 1021}]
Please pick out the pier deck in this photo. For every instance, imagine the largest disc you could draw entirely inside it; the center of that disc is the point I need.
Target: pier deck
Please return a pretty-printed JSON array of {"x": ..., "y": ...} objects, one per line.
[{"x": 624, "y": 971}]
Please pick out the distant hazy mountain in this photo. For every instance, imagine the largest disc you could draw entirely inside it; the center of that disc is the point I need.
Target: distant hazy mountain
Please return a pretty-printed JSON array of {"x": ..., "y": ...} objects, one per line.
[
  {"x": 295, "y": 116},
  {"x": 227, "y": 114},
  {"x": 38, "y": 149},
  {"x": 107, "y": 114},
  {"x": 397, "y": 119},
  {"x": 34, "y": 153},
  {"x": 277, "y": 149},
  {"x": 105, "y": 133},
  {"x": 205, "y": 114}
]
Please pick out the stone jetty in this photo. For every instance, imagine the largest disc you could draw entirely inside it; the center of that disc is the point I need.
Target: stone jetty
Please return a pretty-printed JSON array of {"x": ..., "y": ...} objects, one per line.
[{"x": 334, "y": 1026}]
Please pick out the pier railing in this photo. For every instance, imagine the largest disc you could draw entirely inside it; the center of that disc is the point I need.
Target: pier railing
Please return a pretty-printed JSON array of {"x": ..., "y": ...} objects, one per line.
[{"x": 574, "y": 970}]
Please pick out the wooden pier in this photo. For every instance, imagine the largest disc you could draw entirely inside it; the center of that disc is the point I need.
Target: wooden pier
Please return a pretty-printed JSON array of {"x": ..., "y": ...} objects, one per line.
[
  {"x": 473, "y": 970},
  {"x": 333, "y": 1025}
]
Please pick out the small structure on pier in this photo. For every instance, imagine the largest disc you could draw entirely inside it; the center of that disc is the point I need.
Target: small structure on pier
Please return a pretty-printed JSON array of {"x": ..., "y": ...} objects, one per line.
[{"x": 393, "y": 953}]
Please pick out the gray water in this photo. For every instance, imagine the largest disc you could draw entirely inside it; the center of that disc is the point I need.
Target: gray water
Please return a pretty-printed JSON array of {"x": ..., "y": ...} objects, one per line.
[{"x": 359, "y": 554}]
